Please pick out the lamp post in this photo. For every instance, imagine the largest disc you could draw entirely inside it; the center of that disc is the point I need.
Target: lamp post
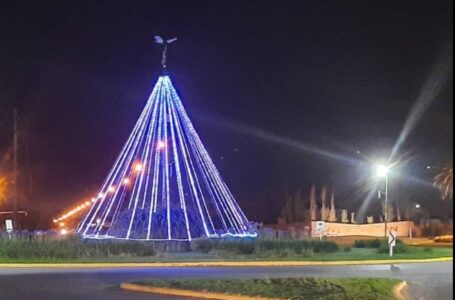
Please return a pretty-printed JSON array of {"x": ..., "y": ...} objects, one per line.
[
  {"x": 382, "y": 171},
  {"x": 417, "y": 215}
]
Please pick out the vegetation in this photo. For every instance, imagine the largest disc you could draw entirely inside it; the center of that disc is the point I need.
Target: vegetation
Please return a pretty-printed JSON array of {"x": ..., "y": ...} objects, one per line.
[
  {"x": 264, "y": 247},
  {"x": 367, "y": 243},
  {"x": 399, "y": 248},
  {"x": 382, "y": 246},
  {"x": 444, "y": 182},
  {"x": 294, "y": 209},
  {"x": 70, "y": 249},
  {"x": 290, "y": 288}
]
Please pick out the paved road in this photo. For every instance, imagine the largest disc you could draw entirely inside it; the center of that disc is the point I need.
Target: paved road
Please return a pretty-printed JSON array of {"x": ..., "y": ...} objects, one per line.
[{"x": 428, "y": 281}]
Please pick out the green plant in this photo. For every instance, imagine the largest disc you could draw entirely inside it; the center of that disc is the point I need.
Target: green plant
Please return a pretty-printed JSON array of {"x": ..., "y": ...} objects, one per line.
[
  {"x": 399, "y": 248},
  {"x": 203, "y": 245},
  {"x": 325, "y": 247},
  {"x": 367, "y": 243},
  {"x": 242, "y": 246},
  {"x": 71, "y": 248}
]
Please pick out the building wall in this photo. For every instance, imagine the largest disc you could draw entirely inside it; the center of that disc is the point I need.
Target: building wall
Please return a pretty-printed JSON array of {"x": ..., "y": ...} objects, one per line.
[{"x": 376, "y": 229}]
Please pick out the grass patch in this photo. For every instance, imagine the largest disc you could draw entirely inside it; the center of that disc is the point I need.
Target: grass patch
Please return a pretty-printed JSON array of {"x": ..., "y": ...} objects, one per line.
[{"x": 290, "y": 288}]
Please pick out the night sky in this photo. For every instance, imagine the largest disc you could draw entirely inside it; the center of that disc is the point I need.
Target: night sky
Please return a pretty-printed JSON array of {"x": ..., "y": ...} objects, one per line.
[{"x": 340, "y": 76}]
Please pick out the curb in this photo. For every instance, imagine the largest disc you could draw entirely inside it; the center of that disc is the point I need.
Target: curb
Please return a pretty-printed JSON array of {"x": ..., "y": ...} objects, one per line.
[
  {"x": 223, "y": 264},
  {"x": 399, "y": 291},
  {"x": 186, "y": 293}
]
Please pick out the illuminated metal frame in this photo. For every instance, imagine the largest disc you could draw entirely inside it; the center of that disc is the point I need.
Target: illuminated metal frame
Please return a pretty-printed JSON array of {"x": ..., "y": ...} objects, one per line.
[{"x": 164, "y": 185}]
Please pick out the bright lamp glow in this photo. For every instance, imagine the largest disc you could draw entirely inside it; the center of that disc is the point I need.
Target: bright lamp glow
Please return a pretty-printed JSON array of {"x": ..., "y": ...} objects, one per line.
[{"x": 382, "y": 170}]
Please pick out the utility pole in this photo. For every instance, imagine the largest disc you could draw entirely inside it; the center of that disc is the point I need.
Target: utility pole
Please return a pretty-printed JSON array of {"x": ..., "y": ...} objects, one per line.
[
  {"x": 15, "y": 167},
  {"x": 386, "y": 200}
]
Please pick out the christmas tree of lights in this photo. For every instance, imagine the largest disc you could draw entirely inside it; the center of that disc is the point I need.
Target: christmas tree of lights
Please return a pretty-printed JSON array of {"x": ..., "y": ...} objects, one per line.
[{"x": 164, "y": 185}]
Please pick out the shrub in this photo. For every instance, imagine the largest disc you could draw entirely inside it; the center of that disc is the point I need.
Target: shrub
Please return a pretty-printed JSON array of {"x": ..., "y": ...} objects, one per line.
[
  {"x": 434, "y": 231},
  {"x": 325, "y": 247},
  {"x": 243, "y": 246},
  {"x": 263, "y": 247},
  {"x": 376, "y": 243},
  {"x": 247, "y": 247},
  {"x": 288, "y": 246},
  {"x": 399, "y": 248},
  {"x": 346, "y": 249},
  {"x": 71, "y": 248},
  {"x": 203, "y": 245}
]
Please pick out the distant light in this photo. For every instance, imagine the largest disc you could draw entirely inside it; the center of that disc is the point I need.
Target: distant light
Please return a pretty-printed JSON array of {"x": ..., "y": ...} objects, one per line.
[
  {"x": 63, "y": 231},
  {"x": 111, "y": 189},
  {"x": 382, "y": 170},
  {"x": 417, "y": 205},
  {"x": 55, "y": 220},
  {"x": 61, "y": 224},
  {"x": 138, "y": 167},
  {"x": 358, "y": 151},
  {"x": 93, "y": 200},
  {"x": 126, "y": 181},
  {"x": 161, "y": 145},
  {"x": 98, "y": 221},
  {"x": 428, "y": 167},
  {"x": 87, "y": 203}
]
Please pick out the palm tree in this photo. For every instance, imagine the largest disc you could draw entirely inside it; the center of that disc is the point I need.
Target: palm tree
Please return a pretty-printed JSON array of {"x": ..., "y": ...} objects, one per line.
[{"x": 444, "y": 182}]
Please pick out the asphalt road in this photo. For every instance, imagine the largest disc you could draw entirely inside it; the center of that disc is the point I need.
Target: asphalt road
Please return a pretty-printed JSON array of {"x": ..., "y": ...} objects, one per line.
[{"x": 427, "y": 280}]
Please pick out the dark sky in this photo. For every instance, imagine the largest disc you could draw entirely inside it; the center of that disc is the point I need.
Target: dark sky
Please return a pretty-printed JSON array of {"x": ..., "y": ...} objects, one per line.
[{"x": 338, "y": 75}]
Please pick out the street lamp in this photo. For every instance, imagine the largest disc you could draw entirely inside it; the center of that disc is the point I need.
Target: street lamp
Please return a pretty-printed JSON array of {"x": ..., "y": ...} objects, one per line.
[
  {"x": 382, "y": 171},
  {"x": 417, "y": 214}
]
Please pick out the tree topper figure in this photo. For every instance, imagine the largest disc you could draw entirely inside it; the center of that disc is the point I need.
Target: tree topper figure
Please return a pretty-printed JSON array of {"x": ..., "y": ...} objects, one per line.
[{"x": 161, "y": 41}]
